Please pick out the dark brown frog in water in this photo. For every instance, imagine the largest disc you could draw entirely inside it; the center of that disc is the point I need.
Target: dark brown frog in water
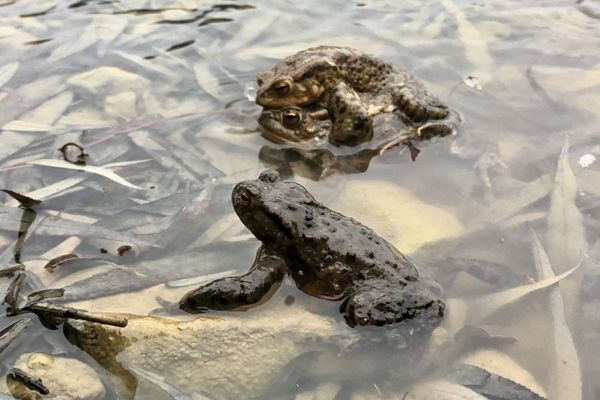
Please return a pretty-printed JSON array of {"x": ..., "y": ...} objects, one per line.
[
  {"x": 336, "y": 77},
  {"x": 329, "y": 256}
]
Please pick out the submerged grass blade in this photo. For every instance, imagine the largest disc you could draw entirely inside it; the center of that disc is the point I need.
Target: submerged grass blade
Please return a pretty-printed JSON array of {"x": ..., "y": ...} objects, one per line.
[
  {"x": 491, "y": 303},
  {"x": 42, "y": 295},
  {"x": 511, "y": 205},
  {"x": 25, "y": 201},
  {"x": 7, "y": 72},
  {"x": 11, "y": 271},
  {"x": 566, "y": 374},
  {"x": 565, "y": 237},
  {"x": 26, "y": 126},
  {"x": 475, "y": 46},
  {"x": 10, "y": 333},
  {"x": 12, "y": 293},
  {"x": 87, "y": 168},
  {"x": 27, "y": 220},
  {"x": 441, "y": 390},
  {"x": 55, "y": 188}
]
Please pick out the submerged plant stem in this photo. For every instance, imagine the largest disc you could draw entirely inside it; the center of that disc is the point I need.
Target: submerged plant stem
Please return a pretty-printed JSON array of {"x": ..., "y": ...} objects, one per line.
[{"x": 51, "y": 310}]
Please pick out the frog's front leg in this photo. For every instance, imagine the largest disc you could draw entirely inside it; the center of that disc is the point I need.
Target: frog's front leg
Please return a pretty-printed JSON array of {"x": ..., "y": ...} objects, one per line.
[
  {"x": 381, "y": 303},
  {"x": 351, "y": 121},
  {"x": 235, "y": 291}
]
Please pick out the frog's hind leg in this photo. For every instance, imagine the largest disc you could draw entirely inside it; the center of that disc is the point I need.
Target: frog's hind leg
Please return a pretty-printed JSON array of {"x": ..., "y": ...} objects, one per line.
[
  {"x": 236, "y": 291},
  {"x": 352, "y": 123},
  {"x": 382, "y": 303},
  {"x": 421, "y": 108}
]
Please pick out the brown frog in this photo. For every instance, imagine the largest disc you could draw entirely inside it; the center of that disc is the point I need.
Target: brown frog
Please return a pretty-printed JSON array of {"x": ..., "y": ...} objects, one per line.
[
  {"x": 312, "y": 124},
  {"x": 333, "y": 77},
  {"x": 329, "y": 255}
]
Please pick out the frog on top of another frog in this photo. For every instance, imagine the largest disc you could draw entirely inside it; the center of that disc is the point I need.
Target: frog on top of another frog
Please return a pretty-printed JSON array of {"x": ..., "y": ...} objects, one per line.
[{"x": 352, "y": 86}]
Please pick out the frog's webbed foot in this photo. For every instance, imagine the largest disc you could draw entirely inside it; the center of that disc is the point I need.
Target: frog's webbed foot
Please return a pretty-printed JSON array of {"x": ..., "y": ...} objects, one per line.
[
  {"x": 381, "y": 303},
  {"x": 352, "y": 123},
  {"x": 236, "y": 291},
  {"x": 442, "y": 127}
]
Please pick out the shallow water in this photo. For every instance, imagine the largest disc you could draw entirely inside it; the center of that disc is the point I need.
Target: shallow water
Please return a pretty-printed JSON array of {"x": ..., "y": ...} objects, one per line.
[{"x": 162, "y": 84}]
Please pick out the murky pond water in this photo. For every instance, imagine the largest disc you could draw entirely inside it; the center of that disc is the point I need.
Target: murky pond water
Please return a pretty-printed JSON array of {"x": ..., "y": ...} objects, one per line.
[{"x": 154, "y": 91}]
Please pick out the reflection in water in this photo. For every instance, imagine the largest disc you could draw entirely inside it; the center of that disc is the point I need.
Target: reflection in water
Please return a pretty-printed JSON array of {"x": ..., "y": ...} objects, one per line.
[{"x": 316, "y": 164}]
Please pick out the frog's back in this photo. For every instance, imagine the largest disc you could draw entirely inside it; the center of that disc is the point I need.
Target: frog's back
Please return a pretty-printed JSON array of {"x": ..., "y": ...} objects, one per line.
[
  {"x": 330, "y": 237},
  {"x": 365, "y": 73}
]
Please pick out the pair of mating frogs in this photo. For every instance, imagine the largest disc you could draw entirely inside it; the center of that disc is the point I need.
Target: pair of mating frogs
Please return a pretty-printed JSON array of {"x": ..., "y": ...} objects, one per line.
[
  {"x": 346, "y": 96},
  {"x": 343, "y": 95}
]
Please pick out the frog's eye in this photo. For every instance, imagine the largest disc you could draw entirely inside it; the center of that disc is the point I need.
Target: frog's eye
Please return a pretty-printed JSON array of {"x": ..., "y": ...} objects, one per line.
[
  {"x": 281, "y": 88},
  {"x": 244, "y": 199},
  {"x": 291, "y": 117},
  {"x": 259, "y": 81}
]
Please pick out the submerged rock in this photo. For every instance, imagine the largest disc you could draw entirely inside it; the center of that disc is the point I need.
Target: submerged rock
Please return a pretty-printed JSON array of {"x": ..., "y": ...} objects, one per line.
[
  {"x": 232, "y": 357},
  {"x": 65, "y": 378},
  {"x": 396, "y": 214}
]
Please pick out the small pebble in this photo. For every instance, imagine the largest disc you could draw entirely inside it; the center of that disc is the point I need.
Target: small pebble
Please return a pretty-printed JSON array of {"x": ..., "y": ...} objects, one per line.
[{"x": 586, "y": 160}]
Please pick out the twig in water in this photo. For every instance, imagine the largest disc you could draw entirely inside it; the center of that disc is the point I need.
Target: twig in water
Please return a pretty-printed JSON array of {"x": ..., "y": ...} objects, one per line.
[
  {"x": 55, "y": 311},
  {"x": 29, "y": 380}
]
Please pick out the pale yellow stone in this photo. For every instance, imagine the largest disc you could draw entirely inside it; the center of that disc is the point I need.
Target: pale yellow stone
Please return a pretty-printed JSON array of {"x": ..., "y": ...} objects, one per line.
[
  {"x": 510, "y": 149},
  {"x": 40, "y": 360},
  {"x": 65, "y": 378},
  {"x": 108, "y": 77},
  {"x": 121, "y": 105},
  {"x": 396, "y": 214},
  {"x": 235, "y": 357}
]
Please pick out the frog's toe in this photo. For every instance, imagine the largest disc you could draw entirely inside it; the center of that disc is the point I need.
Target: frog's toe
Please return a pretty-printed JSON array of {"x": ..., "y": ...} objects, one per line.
[
  {"x": 201, "y": 299},
  {"x": 191, "y": 303},
  {"x": 441, "y": 127},
  {"x": 434, "y": 129},
  {"x": 222, "y": 294}
]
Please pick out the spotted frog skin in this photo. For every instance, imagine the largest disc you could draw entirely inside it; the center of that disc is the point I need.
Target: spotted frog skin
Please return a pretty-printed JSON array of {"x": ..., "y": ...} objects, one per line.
[
  {"x": 331, "y": 76},
  {"x": 330, "y": 256}
]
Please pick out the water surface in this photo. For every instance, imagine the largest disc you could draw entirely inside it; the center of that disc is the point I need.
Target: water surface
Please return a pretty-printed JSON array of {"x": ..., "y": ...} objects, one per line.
[{"x": 159, "y": 87}]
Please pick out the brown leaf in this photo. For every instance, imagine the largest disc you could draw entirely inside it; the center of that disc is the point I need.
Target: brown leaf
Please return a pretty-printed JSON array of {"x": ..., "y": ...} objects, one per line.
[{"x": 56, "y": 261}]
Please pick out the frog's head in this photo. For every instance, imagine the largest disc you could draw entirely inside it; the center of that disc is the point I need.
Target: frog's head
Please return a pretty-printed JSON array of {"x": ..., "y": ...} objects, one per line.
[
  {"x": 297, "y": 87},
  {"x": 294, "y": 124},
  {"x": 272, "y": 209}
]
